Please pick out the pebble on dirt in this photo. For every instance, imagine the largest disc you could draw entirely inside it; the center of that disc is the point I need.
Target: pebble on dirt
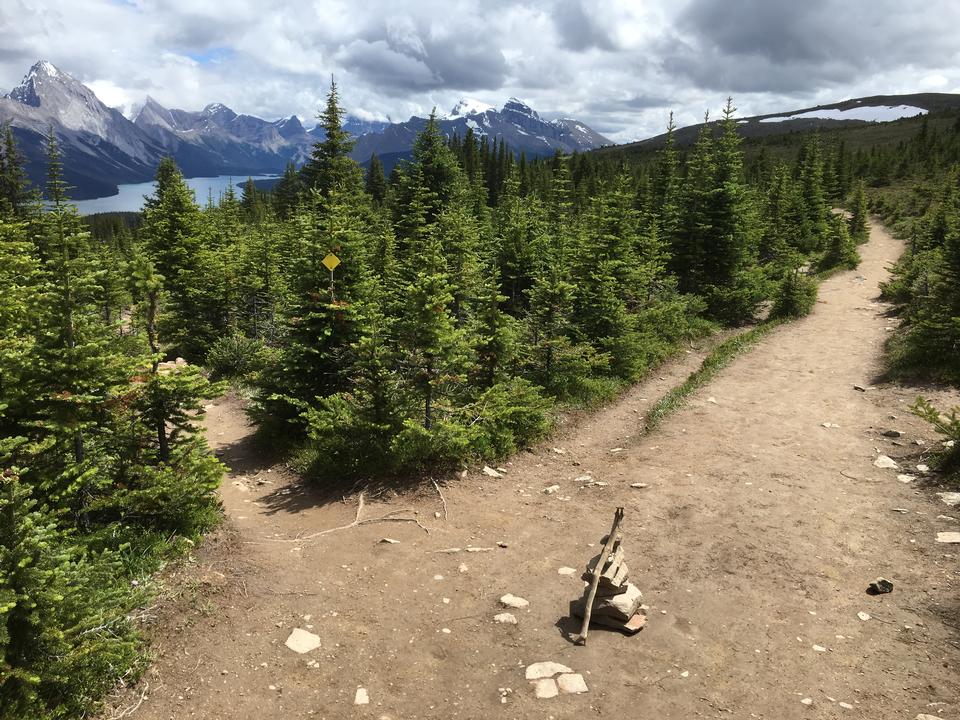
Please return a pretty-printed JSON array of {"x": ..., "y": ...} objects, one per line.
[
  {"x": 950, "y": 498},
  {"x": 302, "y": 641},
  {"x": 490, "y": 472},
  {"x": 863, "y": 616},
  {"x": 512, "y": 601},
  {"x": 948, "y": 537},
  {"x": 904, "y": 478},
  {"x": 361, "y": 698},
  {"x": 880, "y": 586},
  {"x": 886, "y": 463},
  {"x": 505, "y": 619}
]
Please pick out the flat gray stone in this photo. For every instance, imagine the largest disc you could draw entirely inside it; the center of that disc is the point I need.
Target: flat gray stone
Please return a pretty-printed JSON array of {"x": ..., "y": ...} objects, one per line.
[
  {"x": 301, "y": 641},
  {"x": 545, "y": 688},
  {"x": 512, "y": 601},
  {"x": 572, "y": 684},
  {"x": 545, "y": 669},
  {"x": 886, "y": 463},
  {"x": 950, "y": 498}
]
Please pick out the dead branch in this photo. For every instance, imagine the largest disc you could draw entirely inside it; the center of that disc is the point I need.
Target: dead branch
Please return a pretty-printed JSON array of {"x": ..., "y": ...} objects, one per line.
[
  {"x": 581, "y": 639},
  {"x": 388, "y": 517},
  {"x": 442, "y": 499}
]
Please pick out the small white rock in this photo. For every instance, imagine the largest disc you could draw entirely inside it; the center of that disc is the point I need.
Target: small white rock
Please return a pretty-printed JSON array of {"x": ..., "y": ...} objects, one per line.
[
  {"x": 545, "y": 669},
  {"x": 807, "y": 701},
  {"x": 505, "y": 619},
  {"x": 301, "y": 641},
  {"x": 361, "y": 697},
  {"x": 639, "y": 485},
  {"x": 948, "y": 537},
  {"x": 922, "y": 468},
  {"x": 513, "y": 601},
  {"x": 490, "y": 472},
  {"x": 845, "y": 706},
  {"x": 545, "y": 688},
  {"x": 904, "y": 478},
  {"x": 566, "y": 571},
  {"x": 863, "y": 616},
  {"x": 819, "y": 648},
  {"x": 551, "y": 489},
  {"x": 572, "y": 684},
  {"x": 886, "y": 463}
]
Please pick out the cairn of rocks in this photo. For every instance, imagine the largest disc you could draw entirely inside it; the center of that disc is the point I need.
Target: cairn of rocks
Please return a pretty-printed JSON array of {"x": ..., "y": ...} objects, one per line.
[{"x": 617, "y": 602}]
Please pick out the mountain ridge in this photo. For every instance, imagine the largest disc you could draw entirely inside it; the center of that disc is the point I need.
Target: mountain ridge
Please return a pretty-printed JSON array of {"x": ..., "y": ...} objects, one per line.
[{"x": 103, "y": 148}]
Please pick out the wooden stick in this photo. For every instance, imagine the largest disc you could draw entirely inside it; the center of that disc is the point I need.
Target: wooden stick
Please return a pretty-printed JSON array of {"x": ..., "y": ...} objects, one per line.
[
  {"x": 389, "y": 517},
  {"x": 581, "y": 639},
  {"x": 442, "y": 499}
]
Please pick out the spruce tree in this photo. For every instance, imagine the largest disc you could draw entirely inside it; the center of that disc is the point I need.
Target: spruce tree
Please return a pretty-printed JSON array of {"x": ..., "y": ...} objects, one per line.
[
  {"x": 14, "y": 194},
  {"x": 376, "y": 182},
  {"x": 330, "y": 167},
  {"x": 859, "y": 230}
]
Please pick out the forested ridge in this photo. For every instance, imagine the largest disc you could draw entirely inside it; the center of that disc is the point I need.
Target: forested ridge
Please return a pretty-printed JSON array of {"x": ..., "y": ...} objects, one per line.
[{"x": 476, "y": 294}]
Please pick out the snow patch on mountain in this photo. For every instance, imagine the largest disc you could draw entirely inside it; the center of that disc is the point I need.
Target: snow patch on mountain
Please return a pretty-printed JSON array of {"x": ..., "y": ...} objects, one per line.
[
  {"x": 882, "y": 113},
  {"x": 466, "y": 107}
]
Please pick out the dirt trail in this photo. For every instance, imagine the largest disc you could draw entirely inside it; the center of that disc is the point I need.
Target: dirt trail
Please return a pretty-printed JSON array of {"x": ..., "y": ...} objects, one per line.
[{"x": 750, "y": 545}]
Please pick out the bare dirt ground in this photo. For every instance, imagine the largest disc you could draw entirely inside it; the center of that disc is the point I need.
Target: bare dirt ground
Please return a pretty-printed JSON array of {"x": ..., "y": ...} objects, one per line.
[{"x": 754, "y": 542}]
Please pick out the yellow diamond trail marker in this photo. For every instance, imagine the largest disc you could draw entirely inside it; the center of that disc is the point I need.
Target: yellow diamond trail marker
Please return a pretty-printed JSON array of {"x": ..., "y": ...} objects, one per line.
[{"x": 330, "y": 262}]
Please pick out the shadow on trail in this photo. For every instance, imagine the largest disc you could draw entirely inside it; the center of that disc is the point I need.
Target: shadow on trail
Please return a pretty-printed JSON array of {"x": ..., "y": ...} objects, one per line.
[
  {"x": 301, "y": 493},
  {"x": 246, "y": 456}
]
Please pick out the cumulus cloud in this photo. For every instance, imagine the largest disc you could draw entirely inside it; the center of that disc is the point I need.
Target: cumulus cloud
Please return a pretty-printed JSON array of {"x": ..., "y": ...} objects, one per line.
[{"x": 619, "y": 65}]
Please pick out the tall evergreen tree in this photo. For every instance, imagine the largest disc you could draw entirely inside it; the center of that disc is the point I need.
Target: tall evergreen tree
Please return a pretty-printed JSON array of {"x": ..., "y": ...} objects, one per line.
[{"x": 330, "y": 167}]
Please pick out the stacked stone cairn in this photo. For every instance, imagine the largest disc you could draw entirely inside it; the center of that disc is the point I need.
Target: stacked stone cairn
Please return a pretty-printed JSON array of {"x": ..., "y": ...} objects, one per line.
[{"x": 617, "y": 604}]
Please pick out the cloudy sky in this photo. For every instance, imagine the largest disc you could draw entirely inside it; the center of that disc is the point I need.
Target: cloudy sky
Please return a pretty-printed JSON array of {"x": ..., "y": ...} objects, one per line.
[{"x": 619, "y": 65}]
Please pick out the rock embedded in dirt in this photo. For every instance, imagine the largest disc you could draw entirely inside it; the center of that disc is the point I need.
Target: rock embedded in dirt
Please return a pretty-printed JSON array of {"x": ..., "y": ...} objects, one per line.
[
  {"x": 892, "y": 433},
  {"x": 886, "y": 463},
  {"x": 845, "y": 706},
  {"x": 830, "y": 425},
  {"x": 572, "y": 684},
  {"x": 924, "y": 716},
  {"x": 388, "y": 541},
  {"x": 923, "y": 468},
  {"x": 819, "y": 648},
  {"x": 948, "y": 537},
  {"x": 302, "y": 641},
  {"x": 490, "y": 472},
  {"x": 545, "y": 669},
  {"x": 551, "y": 489},
  {"x": 880, "y": 586},
  {"x": 638, "y": 485},
  {"x": 807, "y": 701},
  {"x": 545, "y": 688},
  {"x": 566, "y": 570},
  {"x": 904, "y": 478},
  {"x": 505, "y": 618},
  {"x": 863, "y": 616},
  {"x": 513, "y": 601},
  {"x": 949, "y": 498},
  {"x": 361, "y": 697}
]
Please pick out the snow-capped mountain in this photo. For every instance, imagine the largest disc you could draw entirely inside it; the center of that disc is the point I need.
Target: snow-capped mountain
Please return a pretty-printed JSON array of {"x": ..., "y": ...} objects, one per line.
[
  {"x": 516, "y": 123},
  {"x": 102, "y": 147}
]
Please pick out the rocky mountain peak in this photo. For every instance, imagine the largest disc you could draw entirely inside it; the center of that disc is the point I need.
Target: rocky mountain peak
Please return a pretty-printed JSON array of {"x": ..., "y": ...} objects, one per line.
[
  {"x": 42, "y": 78},
  {"x": 515, "y": 105}
]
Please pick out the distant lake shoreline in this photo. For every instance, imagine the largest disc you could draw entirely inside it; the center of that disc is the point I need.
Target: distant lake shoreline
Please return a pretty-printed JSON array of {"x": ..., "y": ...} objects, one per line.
[{"x": 130, "y": 197}]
